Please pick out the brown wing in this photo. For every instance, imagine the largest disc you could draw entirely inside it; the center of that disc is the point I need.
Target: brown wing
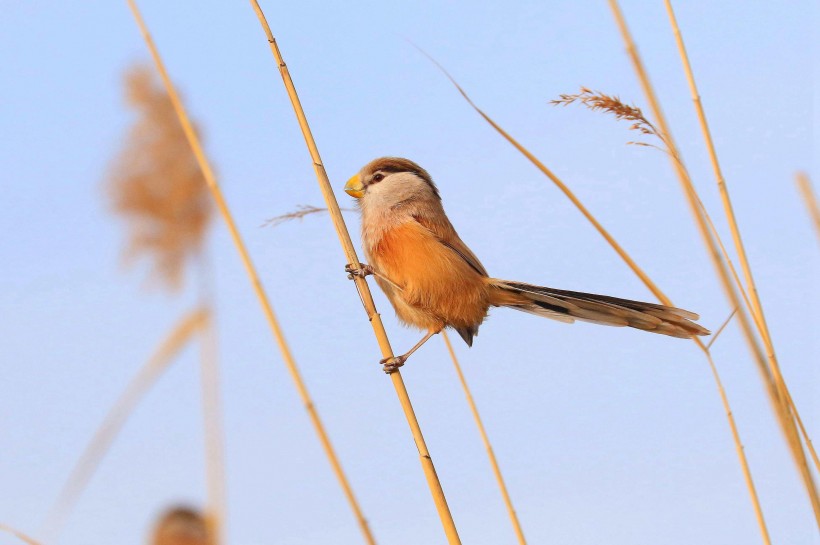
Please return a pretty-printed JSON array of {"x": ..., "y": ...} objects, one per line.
[{"x": 446, "y": 234}]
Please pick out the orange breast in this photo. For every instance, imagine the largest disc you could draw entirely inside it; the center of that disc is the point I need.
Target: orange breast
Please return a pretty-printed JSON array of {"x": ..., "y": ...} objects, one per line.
[{"x": 438, "y": 287}]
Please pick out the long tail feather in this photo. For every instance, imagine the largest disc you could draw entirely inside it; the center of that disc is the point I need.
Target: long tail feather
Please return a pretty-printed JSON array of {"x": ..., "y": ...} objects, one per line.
[{"x": 568, "y": 306}]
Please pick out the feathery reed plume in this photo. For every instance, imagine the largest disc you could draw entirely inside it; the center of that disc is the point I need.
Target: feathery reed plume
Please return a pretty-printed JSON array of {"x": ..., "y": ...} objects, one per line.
[
  {"x": 804, "y": 185},
  {"x": 302, "y": 210},
  {"x": 775, "y": 385},
  {"x": 113, "y": 422},
  {"x": 182, "y": 526},
  {"x": 156, "y": 184},
  {"x": 250, "y": 269},
  {"x": 744, "y": 463},
  {"x": 18, "y": 534},
  {"x": 433, "y": 482},
  {"x": 598, "y": 101}
]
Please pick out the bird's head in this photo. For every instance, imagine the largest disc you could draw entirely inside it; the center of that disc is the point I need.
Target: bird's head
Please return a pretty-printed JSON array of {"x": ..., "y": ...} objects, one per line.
[{"x": 389, "y": 181}]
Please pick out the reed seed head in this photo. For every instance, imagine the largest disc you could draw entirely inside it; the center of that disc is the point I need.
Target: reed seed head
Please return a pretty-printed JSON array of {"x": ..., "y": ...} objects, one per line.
[{"x": 156, "y": 185}]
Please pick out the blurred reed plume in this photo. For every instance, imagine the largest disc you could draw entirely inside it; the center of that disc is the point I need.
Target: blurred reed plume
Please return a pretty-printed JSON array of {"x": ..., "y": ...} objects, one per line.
[
  {"x": 181, "y": 526},
  {"x": 156, "y": 185}
]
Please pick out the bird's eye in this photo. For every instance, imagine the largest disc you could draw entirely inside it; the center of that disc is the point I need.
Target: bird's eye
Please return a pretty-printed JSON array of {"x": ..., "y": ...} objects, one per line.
[{"x": 378, "y": 177}]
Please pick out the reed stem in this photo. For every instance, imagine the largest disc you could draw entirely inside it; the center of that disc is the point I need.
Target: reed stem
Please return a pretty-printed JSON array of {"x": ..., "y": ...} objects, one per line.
[
  {"x": 774, "y": 386},
  {"x": 519, "y": 532},
  {"x": 216, "y": 507},
  {"x": 259, "y": 290},
  {"x": 90, "y": 459},
  {"x": 804, "y": 185},
  {"x": 361, "y": 284},
  {"x": 744, "y": 463},
  {"x": 755, "y": 306}
]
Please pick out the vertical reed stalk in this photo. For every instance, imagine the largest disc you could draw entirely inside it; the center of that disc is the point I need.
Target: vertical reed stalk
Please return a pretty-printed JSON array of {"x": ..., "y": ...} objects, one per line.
[
  {"x": 774, "y": 387},
  {"x": 116, "y": 417},
  {"x": 276, "y": 329},
  {"x": 804, "y": 185},
  {"x": 215, "y": 511},
  {"x": 361, "y": 284},
  {"x": 755, "y": 306},
  {"x": 744, "y": 463},
  {"x": 519, "y": 532}
]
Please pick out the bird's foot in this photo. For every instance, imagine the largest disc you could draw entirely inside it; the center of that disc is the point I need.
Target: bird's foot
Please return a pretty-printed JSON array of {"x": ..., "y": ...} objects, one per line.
[
  {"x": 361, "y": 270},
  {"x": 391, "y": 365}
]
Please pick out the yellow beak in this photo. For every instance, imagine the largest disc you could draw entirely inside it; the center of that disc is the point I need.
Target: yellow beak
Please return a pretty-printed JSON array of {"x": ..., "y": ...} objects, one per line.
[{"x": 354, "y": 187}]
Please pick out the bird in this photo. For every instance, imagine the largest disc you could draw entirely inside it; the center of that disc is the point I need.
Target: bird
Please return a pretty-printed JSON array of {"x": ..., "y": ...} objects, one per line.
[{"x": 434, "y": 281}]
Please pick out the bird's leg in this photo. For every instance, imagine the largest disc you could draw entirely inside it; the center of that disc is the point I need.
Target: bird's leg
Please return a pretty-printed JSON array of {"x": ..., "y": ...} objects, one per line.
[
  {"x": 359, "y": 269},
  {"x": 364, "y": 270},
  {"x": 392, "y": 364}
]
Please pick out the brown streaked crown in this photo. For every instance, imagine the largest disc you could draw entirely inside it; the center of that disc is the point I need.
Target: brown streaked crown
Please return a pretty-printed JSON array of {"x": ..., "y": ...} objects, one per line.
[{"x": 398, "y": 164}]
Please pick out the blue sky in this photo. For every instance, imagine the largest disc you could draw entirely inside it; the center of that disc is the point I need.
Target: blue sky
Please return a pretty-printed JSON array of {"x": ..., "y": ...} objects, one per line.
[{"x": 603, "y": 434}]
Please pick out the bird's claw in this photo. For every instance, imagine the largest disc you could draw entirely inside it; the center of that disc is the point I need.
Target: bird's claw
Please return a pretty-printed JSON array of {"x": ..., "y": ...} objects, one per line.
[
  {"x": 361, "y": 270},
  {"x": 391, "y": 365}
]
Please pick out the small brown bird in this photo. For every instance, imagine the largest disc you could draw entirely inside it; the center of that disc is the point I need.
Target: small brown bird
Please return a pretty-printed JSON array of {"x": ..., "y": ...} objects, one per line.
[{"x": 434, "y": 281}]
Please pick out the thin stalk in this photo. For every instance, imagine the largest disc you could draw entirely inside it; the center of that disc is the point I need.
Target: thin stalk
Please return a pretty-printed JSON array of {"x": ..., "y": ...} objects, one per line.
[
  {"x": 804, "y": 185},
  {"x": 756, "y": 307},
  {"x": 276, "y": 329},
  {"x": 717, "y": 333},
  {"x": 216, "y": 506},
  {"x": 19, "y": 535},
  {"x": 519, "y": 532},
  {"x": 115, "y": 419},
  {"x": 774, "y": 387},
  {"x": 744, "y": 463},
  {"x": 747, "y": 475},
  {"x": 433, "y": 482}
]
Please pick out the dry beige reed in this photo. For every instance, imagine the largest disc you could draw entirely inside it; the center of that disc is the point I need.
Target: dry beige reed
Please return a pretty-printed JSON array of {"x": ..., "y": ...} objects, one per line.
[
  {"x": 103, "y": 437},
  {"x": 19, "y": 535},
  {"x": 276, "y": 329},
  {"x": 648, "y": 282},
  {"x": 769, "y": 372},
  {"x": 433, "y": 482}
]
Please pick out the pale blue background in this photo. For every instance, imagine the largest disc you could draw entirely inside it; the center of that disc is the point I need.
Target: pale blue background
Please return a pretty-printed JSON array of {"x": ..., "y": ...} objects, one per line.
[{"x": 605, "y": 435}]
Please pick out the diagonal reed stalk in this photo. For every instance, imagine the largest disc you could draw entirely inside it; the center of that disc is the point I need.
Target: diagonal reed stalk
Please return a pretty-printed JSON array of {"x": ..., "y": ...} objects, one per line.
[
  {"x": 755, "y": 306},
  {"x": 744, "y": 463},
  {"x": 90, "y": 459},
  {"x": 804, "y": 185},
  {"x": 18, "y": 534},
  {"x": 519, "y": 532},
  {"x": 301, "y": 212},
  {"x": 433, "y": 482},
  {"x": 775, "y": 386},
  {"x": 259, "y": 290}
]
